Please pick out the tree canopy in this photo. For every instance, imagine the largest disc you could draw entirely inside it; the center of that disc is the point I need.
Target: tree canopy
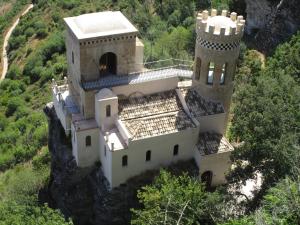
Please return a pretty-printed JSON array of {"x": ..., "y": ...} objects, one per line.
[{"x": 176, "y": 200}]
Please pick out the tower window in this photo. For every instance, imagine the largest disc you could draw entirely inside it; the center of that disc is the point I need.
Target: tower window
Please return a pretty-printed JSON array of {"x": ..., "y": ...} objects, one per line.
[
  {"x": 175, "y": 150},
  {"x": 72, "y": 57},
  {"x": 108, "y": 111},
  {"x": 88, "y": 141},
  {"x": 211, "y": 71},
  {"x": 108, "y": 64},
  {"x": 198, "y": 68},
  {"x": 104, "y": 150},
  {"x": 222, "y": 78},
  {"x": 124, "y": 160},
  {"x": 148, "y": 156}
]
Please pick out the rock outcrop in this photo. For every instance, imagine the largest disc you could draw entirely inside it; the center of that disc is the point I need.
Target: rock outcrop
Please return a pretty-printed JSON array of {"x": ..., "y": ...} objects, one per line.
[
  {"x": 271, "y": 22},
  {"x": 83, "y": 194}
]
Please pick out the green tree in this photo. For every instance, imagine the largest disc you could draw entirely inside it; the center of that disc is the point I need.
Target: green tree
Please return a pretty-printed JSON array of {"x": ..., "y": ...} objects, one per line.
[
  {"x": 18, "y": 214},
  {"x": 280, "y": 206},
  {"x": 266, "y": 119},
  {"x": 176, "y": 200}
]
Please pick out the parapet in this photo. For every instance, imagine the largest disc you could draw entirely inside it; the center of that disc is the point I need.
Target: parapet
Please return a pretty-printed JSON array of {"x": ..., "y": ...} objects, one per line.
[{"x": 212, "y": 25}]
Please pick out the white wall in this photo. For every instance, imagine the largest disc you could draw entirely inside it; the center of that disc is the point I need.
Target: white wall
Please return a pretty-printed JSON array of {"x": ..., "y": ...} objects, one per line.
[
  {"x": 106, "y": 123},
  {"x": 213, "y": 123},
  {"x": 147, "y": 87},
  {"x": 161, "y": 154},
  {"x": 85, "y": 155},
  {"x": 65, "y": 119},
  {"x": 219, "y": 164},
  {"x": 106, "y": 161}
]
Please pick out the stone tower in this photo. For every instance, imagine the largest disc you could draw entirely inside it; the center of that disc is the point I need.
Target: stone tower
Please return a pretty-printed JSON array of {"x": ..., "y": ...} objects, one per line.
[{"x": 216, "y": 54}]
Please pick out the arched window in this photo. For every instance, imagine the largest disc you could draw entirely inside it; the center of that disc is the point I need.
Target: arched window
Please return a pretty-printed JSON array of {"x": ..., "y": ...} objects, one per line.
[
  {"x": 206, "y": 178},
  {"x": 108, "y": 64},
  {"x": 108, "y": 111},
  {"x": 198, "y": 68},
  {"x": 125, "y": 160},
  {"x": 211, "y": 71},
  {"x": 175, "y": 150},
  {"x": 222, "y": 78},
  {"x": 88, "y": 141},
  {"x": 148, "y": 156}
]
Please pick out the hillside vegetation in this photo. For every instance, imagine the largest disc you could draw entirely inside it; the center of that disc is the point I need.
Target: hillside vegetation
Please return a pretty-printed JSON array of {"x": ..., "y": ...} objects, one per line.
[{"x": 265, "y": 117}]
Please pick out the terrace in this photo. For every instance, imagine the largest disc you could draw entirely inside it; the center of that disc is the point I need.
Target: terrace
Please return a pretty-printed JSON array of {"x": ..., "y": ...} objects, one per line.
[{"x": 157, "y": 70}]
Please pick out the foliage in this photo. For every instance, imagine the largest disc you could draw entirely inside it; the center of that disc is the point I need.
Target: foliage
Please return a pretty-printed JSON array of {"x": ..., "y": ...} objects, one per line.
[
  {"x": 18, "y": 200},
  {"x": 266, "y": 117},
  {"x": 280, "y": 206},
  {"x": 176, "y": 200},
  {"x": 7, "y": 18},
  {"x": 20, "y": 214}
]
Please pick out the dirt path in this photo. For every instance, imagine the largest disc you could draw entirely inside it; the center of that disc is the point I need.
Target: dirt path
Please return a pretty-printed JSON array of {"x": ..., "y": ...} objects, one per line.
[{"x": 5, "y": 42}]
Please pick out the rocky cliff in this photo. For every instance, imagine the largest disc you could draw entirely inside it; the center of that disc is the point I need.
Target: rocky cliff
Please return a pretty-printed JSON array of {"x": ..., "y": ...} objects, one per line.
[
  {"x": 270, "y": 22},
  {"x": 83, "y": 194}
]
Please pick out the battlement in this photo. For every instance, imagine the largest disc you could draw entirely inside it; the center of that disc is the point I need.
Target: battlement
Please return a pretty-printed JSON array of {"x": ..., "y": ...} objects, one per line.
[{"x": 212, "y": 25}]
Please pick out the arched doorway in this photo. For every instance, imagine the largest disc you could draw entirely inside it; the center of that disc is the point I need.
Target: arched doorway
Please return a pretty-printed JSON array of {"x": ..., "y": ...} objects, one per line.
[
  {"x": 206, "y": 178},
  {"x": 108, "y": 64}
]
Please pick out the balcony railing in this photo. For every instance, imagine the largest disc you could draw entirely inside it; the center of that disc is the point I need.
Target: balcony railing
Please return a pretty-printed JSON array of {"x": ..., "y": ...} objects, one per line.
[{"x": 157, "y": 70}]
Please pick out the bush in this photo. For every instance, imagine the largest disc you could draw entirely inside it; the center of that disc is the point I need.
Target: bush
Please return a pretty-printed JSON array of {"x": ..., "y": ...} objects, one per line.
[
  {"x": 16, "y": 42},
  {"x": 13, "y": 105},
  {"x": 21, "y": 112},
  {"x": 29, "y": 32},
  {"x": 40, "y": 135},
  {"x": 42, "y": 159},
  {"x": 14, "y": 72},
  {"x": 3, "y": 122},
  {"x": 41, "y": 29},
  {"x": 17, "y": 214},
  {"x": 68, "y": 4}
]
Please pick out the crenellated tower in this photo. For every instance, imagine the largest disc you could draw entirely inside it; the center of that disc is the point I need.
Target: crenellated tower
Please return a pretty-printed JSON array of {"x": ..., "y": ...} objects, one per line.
[{"x": 216, "y": 54}]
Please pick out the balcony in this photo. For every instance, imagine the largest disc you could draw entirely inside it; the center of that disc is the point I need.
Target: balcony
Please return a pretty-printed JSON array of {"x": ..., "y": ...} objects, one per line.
[
  {"x": 64, "y": 104},
  {"x": 157, "y": 70}
]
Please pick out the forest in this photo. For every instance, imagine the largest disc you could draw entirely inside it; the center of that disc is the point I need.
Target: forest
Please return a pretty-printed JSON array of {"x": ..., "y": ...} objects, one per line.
[{"x": 265, "y": 117}]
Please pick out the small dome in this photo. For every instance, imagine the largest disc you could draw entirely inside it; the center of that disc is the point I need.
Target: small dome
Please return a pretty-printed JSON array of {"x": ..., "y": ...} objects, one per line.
[
  {"x": 105, "y": 93},
  {"x": 220, "y": 22}
]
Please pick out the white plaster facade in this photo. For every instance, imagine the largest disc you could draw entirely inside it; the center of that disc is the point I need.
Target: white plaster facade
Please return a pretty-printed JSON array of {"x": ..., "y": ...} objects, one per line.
[{"x": 131, "y": 119}]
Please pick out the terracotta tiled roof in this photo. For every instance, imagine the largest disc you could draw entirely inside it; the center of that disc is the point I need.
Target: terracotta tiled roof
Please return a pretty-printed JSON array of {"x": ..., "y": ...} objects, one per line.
[
  {"x": 149, "y": 105},
  {"x": 163, "y": 124},
  {"x": 211, "y": 143},
  {"x": 199, "y": 106},
  {"x": 154, "y": 115}
]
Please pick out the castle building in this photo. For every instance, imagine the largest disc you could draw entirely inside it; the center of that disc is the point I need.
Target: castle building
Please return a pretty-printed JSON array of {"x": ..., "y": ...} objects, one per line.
[{"x": 132, "y": 118}]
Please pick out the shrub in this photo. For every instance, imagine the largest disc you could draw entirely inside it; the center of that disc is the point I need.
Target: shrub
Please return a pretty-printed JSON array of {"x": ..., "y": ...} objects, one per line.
[
  {"x": 29, "y": 32},
  {"x": 46, "y": 75},
  {"x": 41, "y": 29},
  {"x": 3, "y": 122},
  {"x": 13, "y": 105},
  {"x": 16, "y": 42},
  {"x": 42, "y": 159},
  {"x": 41, "y": 33},
  {"x": 68, "y": 4},
  {"x": 22, "y": 111},
  {"x": 14, "y": 72},
  {"x": 40, "y": 135}
]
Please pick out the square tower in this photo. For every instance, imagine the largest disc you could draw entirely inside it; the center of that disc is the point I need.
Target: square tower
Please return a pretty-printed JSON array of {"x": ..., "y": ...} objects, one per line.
[{"x": 100, "y": 45}]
